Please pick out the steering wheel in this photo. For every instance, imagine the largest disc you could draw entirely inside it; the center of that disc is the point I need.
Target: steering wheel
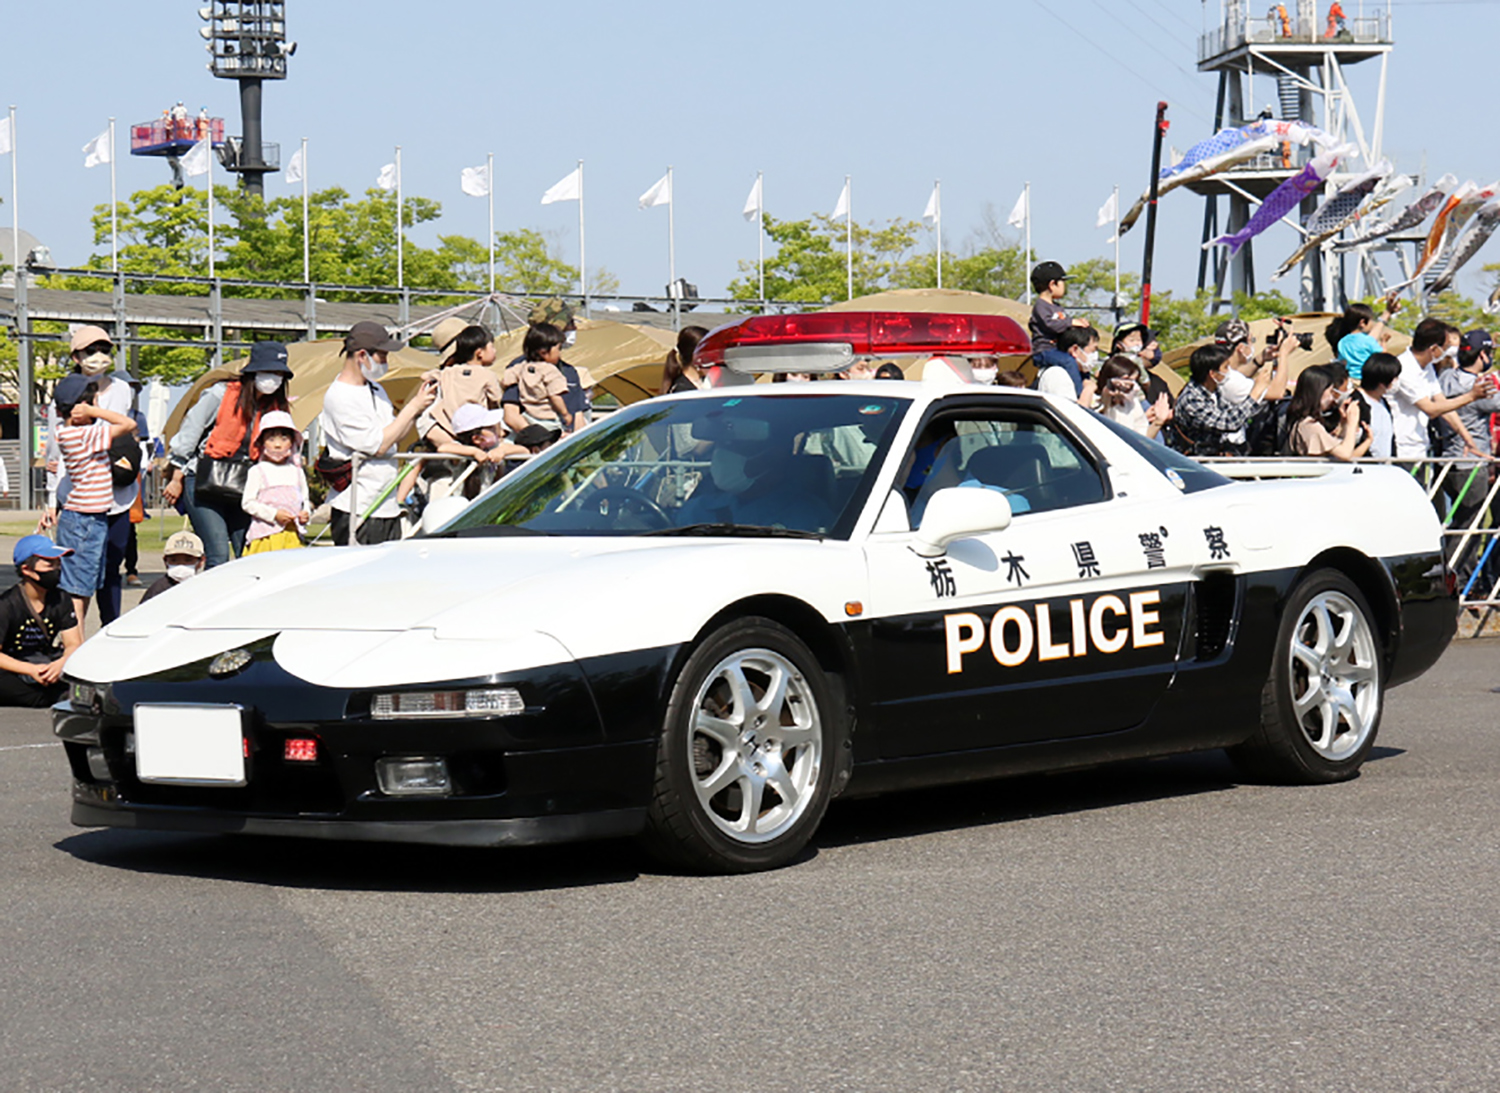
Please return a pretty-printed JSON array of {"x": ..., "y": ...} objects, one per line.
[{"x": 623, "y": 498}]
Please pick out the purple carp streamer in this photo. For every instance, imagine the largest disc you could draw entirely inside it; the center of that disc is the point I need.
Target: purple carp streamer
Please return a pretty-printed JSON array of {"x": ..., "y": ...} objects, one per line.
[
  {"x": 1409, "y": 217},
  {"x": 1283, "y": 200},
  {"x": 1337, "y": 213}
]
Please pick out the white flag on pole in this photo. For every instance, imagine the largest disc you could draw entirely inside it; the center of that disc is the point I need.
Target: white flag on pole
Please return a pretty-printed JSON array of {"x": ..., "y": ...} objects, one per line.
[
  {"x": 1108, "y": 212},
  {"x": 842, "y": 208},
  {"x": 475, "y": 181},
  {"x": 1017, "y": 217},
  {"x": 934, "y": 207},
  {"x": 98, "y": 150},
  {"x": 386, "y": 180},
  {"x": 752, "y": 203},
  {"x": 660, "y": 194},
  {"x": 4, "y": 136},
  {"x": 196, "y": 160},
  {"x": 294, "y": 168},
  {"x": 569, "y": 188}
]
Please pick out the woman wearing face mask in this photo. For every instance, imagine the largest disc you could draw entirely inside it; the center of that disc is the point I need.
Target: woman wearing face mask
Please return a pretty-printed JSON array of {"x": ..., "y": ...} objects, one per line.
[
  {"x": 984, "y": 370},
  {"x": 93, "y": 356},
  {"x": 223, "y": 424},
  {"x": 1121, "y": 400},
  {"x": 1317, "y": 393}
]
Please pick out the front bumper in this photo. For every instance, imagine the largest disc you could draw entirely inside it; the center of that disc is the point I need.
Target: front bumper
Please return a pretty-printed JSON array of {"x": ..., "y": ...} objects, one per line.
[{"x": 557, "y": 772}]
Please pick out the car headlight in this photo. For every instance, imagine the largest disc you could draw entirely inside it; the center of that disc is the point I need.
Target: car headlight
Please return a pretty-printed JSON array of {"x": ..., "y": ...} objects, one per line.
[{"x": 489, "y": 702}]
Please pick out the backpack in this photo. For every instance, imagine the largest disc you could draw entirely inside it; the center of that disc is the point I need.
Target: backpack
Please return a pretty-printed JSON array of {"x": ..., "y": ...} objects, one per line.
[
  {"x": 124, "y": 460},
  {"x": 1266, "y": 431}
]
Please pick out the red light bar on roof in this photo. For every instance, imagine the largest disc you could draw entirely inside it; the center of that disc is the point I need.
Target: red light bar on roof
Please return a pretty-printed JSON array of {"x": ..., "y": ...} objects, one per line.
[{"x": 871, "y": 334}]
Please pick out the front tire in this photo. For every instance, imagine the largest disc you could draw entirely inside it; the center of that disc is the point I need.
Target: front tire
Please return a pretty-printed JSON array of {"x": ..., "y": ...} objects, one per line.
[
  {"x": 746, "y": 756},
  {"x": 1321, "y": 706}
]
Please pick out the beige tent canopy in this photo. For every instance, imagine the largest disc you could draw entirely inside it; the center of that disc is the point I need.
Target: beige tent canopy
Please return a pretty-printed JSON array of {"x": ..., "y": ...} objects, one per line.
[
  {"x": 1313, "y": 322},
  {"x": 625, "y": 360},
  {"x": 314, "y": 366}
]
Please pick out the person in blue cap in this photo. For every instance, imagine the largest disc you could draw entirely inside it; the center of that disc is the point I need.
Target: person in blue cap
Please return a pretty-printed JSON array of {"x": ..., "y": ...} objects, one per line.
[{"x": 38, "y": 628}]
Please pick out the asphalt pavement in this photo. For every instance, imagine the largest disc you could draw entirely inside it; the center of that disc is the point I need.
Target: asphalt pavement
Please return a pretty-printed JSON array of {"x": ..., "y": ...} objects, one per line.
[{"x": 1151, "y": 926}]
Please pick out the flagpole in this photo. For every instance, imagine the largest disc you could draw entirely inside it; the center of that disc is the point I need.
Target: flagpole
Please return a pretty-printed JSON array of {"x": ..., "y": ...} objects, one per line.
[
  {"x": 672, "y": 253},
  {"x": 15, "y": 215},
  {"x": 306, "y": 243},
  {"x": 760, "y": 232},
  {"x": 1118, "y": 303},
  {"x": 400, "y": 248},
  {"x": 209, "y": 138},
  {"x": 489, "y": 185},
  {"x": 114, "y": 208},
  {"x": 849, "y": 237},
  {"x": 1026, "y": 273},
  {"x": 938, "y": 189},
  {"x": 583, "y": 264}
]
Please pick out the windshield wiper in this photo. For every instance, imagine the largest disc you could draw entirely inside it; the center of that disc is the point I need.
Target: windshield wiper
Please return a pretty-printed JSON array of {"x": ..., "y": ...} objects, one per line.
[
  {"x": 746, "y": 531},
  {"x": 489, "y": 531}
]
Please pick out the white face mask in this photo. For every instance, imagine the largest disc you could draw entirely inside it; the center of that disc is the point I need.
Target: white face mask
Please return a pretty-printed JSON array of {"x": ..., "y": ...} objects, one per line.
[
  {"x": 1451, "y": 351},
  {"x": 373, "y": 369},
  {"x": 180, "y": 573},
  {"x": 728, "y": 471},
  {"x": 95, "y": 364},
  {"x": 268, "y": 383},
  {"x": 1090, "y": 360},
  {"x": 985, "y": 375},
  {"x": 570, "y": 337}
]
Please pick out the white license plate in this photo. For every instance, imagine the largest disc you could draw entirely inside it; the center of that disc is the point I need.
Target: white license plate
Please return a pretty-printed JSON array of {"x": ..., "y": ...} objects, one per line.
[{"x": 189, "y": 745}]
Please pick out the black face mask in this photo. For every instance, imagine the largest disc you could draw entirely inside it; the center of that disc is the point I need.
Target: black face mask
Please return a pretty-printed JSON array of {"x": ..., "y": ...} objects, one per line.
[{"x": 48, "y": 579}]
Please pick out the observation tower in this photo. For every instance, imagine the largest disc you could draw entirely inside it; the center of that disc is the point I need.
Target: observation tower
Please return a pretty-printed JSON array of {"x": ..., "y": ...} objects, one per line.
[{"x": 1305, "y": 46}]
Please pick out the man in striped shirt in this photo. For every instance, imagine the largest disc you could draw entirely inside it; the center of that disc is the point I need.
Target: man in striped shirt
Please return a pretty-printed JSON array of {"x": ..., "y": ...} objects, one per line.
[{"x": 84, "y": 435}]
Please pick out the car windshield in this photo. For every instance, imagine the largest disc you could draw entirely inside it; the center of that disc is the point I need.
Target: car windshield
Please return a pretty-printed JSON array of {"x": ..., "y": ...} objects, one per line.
[
  {"x": 772, "y": 465},
  {"x": 1186, "y": 474}
]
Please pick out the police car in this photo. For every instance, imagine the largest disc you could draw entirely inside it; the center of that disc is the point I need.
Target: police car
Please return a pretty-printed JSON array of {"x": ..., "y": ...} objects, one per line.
[{"x": 701, "y": 620}]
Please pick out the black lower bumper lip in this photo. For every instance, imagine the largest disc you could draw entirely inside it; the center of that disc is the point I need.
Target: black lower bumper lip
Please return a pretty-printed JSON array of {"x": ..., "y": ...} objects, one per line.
[{"x": 511, "y": 831}]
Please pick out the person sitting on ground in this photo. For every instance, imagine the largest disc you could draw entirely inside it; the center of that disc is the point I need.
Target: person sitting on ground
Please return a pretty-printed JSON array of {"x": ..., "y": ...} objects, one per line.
[
  {"x": 275, "y": 494},
  {"x": 1203, "y": 419},
  {"x": 1048, "y": 320},
  {"x": 539, "y": 384},
  {"x": 1122, "y": 401},
  {"x": 183, "y": 557},
  {"x": 1317, "y": 393},
  {"x": 1357, "y": 333},
  {"x": 85, "y": 434},
  {"x": 1066, "y": 371},
  {"x": 38, "y": 628},
  {"x": 1377, "y": 376},
  {"x": 679, "y": 373}
]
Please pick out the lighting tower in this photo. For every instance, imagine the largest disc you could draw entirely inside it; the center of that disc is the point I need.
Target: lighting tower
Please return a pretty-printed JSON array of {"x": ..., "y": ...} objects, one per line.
[
  {"x": 1307, "y": 58},
  {"x": 247, "y": 42}
]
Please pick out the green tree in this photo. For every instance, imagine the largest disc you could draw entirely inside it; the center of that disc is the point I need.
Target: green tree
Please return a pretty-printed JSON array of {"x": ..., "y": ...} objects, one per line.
[{"x": 810, "y": 261}]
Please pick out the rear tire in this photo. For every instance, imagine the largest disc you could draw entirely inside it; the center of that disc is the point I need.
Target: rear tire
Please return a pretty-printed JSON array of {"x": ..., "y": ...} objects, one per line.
[
  {"x": 1321, "y": 706},
  {"x": 747, "y": 752}
]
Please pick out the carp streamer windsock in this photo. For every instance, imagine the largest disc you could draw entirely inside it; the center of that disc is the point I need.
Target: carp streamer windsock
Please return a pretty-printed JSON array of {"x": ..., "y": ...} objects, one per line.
[
  {"x": 1409, "y": 217},
  {"x": 1480, "y": 228},
  {"x": 1283, "y": 199},
  {"x": 1337, "y": 213},
  {"x": 1201, "y": 169}
]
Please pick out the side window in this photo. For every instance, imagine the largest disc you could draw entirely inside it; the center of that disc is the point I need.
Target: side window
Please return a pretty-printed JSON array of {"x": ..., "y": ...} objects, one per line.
[{"x": 1019, "y": 454}]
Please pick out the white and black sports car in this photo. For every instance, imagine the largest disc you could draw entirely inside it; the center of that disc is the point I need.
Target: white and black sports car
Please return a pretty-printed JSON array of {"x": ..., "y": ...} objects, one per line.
[{"x": 702, "y": 619}]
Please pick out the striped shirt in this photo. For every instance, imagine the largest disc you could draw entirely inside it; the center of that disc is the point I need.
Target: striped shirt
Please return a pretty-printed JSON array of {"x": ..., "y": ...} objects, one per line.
[{"x": 85, "y": 452}]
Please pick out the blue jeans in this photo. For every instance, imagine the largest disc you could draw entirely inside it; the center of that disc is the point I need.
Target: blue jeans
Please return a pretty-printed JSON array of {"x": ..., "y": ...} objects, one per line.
[
  {"x": 84, "y": 534},
  {"x": 219, "y": 522},
  {"x": 116, "y": 541}
]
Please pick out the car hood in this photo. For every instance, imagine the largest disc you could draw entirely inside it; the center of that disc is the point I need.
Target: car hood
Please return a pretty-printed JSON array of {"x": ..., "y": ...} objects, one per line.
[{"x": 442, "y": 608}]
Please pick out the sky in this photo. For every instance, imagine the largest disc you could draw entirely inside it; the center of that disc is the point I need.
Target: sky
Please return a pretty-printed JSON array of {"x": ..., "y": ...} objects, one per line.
[{"x": 982, "y": 95}]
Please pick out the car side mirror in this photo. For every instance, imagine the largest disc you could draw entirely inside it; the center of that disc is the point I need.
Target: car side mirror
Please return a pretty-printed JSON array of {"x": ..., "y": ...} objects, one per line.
[
  {"x": 439, "y": 512},
  {"x": 960, "y": 512}
]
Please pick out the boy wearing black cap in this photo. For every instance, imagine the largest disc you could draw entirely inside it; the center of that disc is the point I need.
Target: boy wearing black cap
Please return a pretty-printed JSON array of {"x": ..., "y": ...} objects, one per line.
[
  {"x": 38, "y": 629},
  {"x": 1050, "y": 283}
]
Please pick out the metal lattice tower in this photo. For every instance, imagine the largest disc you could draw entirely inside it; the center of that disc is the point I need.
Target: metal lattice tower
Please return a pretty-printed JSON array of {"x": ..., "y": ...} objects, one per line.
[{"x": 1307, "y": 56}]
